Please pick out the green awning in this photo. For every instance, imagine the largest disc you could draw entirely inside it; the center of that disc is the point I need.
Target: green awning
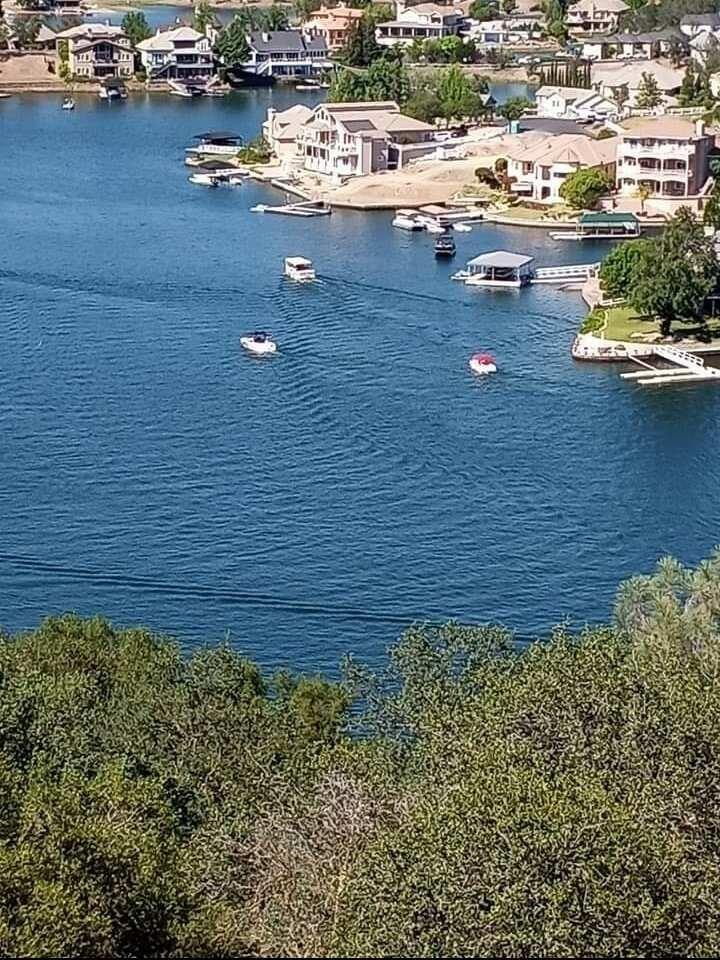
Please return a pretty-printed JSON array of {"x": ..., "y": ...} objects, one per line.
[{"x": 607, "y": 219}]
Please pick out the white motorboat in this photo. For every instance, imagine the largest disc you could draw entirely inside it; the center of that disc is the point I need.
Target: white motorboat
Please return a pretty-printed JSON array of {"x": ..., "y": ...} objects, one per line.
[
  {"x": 204, "y": 179},
  {"x": 260, "y": 344},
  {"x": 307, "y": 86},
  {"x": 462, "y": 227},
  {"x": 299, "y": 269},
  {"x": 482, "y": 364},
  {"x": 406, "y": 220},
  {"x": 433, "y": 227},
  {"x": 68, "y": 104}
]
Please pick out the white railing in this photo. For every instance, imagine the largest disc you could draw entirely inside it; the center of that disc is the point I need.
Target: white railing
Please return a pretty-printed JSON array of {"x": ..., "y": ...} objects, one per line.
[{"x": 681, "y": 357}]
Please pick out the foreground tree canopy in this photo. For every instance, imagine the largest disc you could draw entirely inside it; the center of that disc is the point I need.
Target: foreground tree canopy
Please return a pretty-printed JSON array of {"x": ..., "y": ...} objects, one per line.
[{"x": 474, "y": 799}]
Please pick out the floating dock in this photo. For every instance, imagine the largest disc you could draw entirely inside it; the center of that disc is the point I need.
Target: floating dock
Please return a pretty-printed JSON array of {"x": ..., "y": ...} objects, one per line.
[
  {"x": 574, "y": 273},
  {"x": 688, "y": 368},
  {"x": 305, "y": 208}
]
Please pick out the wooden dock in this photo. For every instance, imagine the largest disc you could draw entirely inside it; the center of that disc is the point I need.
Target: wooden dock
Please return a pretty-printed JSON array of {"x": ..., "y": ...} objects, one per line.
[{"x": 688, "y": 368}]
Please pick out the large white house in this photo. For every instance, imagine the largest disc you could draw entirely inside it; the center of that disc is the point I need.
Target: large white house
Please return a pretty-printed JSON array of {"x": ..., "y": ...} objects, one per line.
[
  {"x": 425, "y": 21},
  {"x": 178, "y": 54},
  {"x": 538, "y": 168},
  {"x": 668, "y": 156},
  {"x": 594, "y": 16},
  {"x": 281, "y": 129},
  {"x": 573, "y": 103},
  {"x": 287, "y": 53},
  {"x": 355, "y": 139},
  {"x": 507, "y": 31}
]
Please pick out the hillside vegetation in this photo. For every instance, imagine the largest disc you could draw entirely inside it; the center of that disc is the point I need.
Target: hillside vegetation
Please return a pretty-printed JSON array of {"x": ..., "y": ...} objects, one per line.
[{"x": 474, "y": 799}]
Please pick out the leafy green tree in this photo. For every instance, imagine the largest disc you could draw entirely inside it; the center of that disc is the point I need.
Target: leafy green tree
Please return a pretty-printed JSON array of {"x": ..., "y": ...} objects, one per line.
[
  {"x": 203, "y": 17},
  {"x": 622, "y": 266},
  {"x": 347, "y": 86},
  {"x": 458, "y": 96},
  {"x": 484, "y": 10},
  {"x": 583, "y": 188},
  {"x": 135, "y": 25},
  {"x": 555, "y": 19},
  {"x": 515, "y": 107},
  {"x": 232, "y": 45},
  {"x": 26, "y": 31},
  {"x": 678, "y": 273},
  {"x": 424, "y": 104},
  {"x": 362, "y": 47},
  {"x": 648, "y": 93}
]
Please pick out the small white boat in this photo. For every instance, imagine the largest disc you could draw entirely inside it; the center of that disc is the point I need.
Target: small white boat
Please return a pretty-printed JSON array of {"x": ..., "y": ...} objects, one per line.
[
  {"x": 462, "y": 227},
  {"x": 68, "y": 104},
  {"x": 407, "y": 220},
  {"x": 299, "y": 269},
  {"x": 260, "y": 344},
  {"x": 204, "y": 179},
  {"x": 259, "y": 208},
  {"x": 307, "y": 85},
  {"x": 433, "y": 227},
  {"x": 482, "y": 364}
]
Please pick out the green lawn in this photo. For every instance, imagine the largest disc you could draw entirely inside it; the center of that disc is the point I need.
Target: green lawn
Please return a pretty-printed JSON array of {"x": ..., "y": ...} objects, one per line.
[{"x": 623, "y": 323}]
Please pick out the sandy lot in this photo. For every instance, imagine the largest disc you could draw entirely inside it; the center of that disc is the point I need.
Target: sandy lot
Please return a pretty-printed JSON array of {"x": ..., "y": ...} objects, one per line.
[{"x": 27, "y": 72}]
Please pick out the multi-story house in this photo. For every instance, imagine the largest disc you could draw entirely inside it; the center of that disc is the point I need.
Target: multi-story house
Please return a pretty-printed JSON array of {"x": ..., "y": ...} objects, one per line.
[
  {"x": 594, "y": 16},
  {"x": 509, "y": 30},
  {"x": 178, "y": 54},
  {"x": 634, "y": 46},
  {"x": 333, "y": 24},
  {"x": 281, "y": 128},
  {"x": 622, "y": 82},
  {"x": 286, "y": 53},
  {"x": 425, "y": 21},
  {"x": 573, "y": 103},
  {"x": 669, "y": 157},
  {"x": 96, "y": 51},
  {"x": 538, "y": 169},
  {"x": 355, "y": 139}
]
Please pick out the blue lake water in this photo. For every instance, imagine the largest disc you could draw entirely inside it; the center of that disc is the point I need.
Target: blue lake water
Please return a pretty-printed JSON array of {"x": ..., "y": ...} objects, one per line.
[{"x": 304, "y": 507}]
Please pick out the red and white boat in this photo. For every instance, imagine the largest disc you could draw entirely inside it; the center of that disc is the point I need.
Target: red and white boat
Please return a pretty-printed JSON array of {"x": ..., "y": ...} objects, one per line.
[{"x": 483, "y": 363}]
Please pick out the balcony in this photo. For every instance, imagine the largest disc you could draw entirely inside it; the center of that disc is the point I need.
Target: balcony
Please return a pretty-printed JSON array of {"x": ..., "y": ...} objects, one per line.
[{"x": 657, "y": 149}]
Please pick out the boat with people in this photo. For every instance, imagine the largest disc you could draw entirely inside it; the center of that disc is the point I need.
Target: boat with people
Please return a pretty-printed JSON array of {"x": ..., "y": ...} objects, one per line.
[
  {"x": 445, "y": 246},
  {"x": 299, "y": 269},
  {"x": 482, "y": 364},
  {"x": 68, "y": 104},
  {"x": 259, "y": 343}
]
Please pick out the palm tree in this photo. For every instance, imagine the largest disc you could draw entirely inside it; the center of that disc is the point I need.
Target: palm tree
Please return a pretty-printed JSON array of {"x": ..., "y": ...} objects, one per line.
[{"x": 642, "y": 193}]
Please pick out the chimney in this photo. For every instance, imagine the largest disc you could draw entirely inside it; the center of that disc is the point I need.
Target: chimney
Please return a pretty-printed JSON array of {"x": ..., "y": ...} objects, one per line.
[
  {"x": 700, "y": 127},
  {"x": 265, "y": 36}
]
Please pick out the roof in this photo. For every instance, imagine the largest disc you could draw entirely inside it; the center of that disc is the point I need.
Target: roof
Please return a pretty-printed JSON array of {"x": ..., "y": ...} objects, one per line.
[
  {"x": 566, "y": 148},
  {"x": 553, "y": 125},
  {"x": 606, "y": 217},
  {"x": 701, "y": 20},
  {"x": 666, "y": 128},
  {"x": 629, "y": 74},
  {"x": 398, "y": 123},
  {"x": 569, "y": 93},
  {"x": 612, "y": 6},
  {"x": 500, "y": 258},
  {"x": 704, "y": 41},
  {"x": 217, "y": 135},
  {"x": 166, "y": 39},
  {"x": 44, "y": 34},
  {"x": 652, "y": 36},
  {"x": 282, "y": 41},
  {"x": 361, "y": 106},
  {"x": 91, "y": 31}
]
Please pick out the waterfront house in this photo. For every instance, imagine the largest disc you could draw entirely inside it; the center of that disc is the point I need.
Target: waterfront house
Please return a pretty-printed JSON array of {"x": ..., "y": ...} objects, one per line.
[
  {"x": 424, "y": 21},
  {"x": 177, "y": 54},
  {"x": 594, "y": 16},
  {"x": 623, "y": 80},
  {"x": 634, "y": 46},
  {"x": 96, "y": 51},
  {"x": 333, "y": 24},
  {"x": 573, "y": 103},
  {"x": 537, "y": 168},
  {"x": 281, "y": 129},
  {"x": 668, "y": 156},
  {"x": 507, "y": 31},
  {"x": 355, "y": 139},
  {"x": 694, "y": 24},
  {"x": 286, "y": 53}
]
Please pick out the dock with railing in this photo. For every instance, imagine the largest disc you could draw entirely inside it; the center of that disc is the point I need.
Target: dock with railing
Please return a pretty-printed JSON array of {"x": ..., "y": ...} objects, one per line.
[
  {"x": 687, "y": 368},
  {"x": 573, "y": 273}
]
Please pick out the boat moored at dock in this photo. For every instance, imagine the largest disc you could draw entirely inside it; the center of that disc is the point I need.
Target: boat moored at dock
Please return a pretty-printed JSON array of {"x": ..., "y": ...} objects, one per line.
[
  {"x": 499, "y": 268},
  {"x": 216, "y": 143},
  {"x": 602, "y": 226},
  {"x": 212, "y": 173},
  {"x": 407, "y": 220},
  {"x": 299, "y": 269},
  {"x": 112, "y": 88}
]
